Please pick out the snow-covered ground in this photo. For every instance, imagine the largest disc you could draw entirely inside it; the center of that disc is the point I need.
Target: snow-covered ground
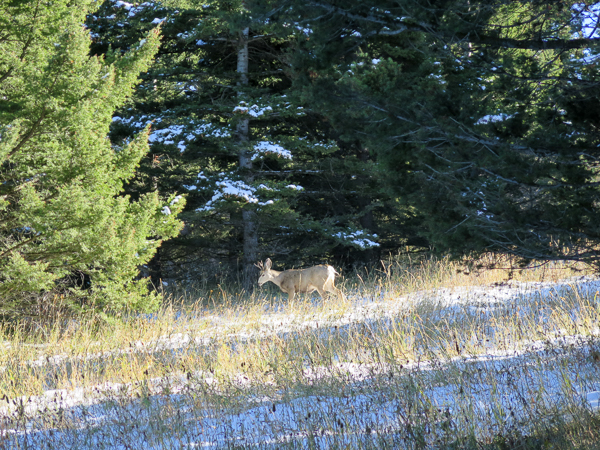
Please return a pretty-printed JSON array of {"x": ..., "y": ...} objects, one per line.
[{"x": 345, "y": 404}]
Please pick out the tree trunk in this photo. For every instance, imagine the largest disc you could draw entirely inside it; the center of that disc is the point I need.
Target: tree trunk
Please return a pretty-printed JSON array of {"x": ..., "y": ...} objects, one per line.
[{"x": 242, "y": 131}]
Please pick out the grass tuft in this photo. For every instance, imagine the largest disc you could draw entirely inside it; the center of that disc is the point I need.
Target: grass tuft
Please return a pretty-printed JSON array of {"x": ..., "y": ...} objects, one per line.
[{"x": 422, "y": 354}]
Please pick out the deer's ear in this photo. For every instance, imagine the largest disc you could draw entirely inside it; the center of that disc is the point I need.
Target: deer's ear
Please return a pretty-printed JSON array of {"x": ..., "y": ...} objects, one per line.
[{"x": 268, "y": 263}]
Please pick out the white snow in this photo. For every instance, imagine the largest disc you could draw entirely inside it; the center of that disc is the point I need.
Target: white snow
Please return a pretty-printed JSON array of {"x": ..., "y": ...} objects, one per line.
[
  {"x": 125, "y": 5},
  {"x": 174, "y": 132},
  {"x": 358, "y": 238},
  {"x": 266, "y": 147},
  {"x": 228, "y": 189},
  {"x": 372, "y": 401},
  {"x": 166, "y": 135},
  {"x": 439, "y": 78},
  {"x": 304, "y": 30},
  {"x": 175, "y": 199},
  {"x": 254, "y": 110},
  {"x": 133, "y": 10},
  {"x": 240, "y": 109},
  {"x": 491, "y": 118}
]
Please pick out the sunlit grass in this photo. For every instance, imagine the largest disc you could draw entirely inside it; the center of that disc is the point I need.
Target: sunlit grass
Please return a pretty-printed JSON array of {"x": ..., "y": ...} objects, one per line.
[
  {"x": 226, "y": 353},
  {"x": 126, "y": 347}
]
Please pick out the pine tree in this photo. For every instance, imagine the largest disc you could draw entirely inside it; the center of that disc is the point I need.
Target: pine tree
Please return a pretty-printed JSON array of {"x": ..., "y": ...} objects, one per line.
[
  {"x": 257, "y": 166},
  {"x": 481, "y": 114},
  {"x": 67, "y": 232}
]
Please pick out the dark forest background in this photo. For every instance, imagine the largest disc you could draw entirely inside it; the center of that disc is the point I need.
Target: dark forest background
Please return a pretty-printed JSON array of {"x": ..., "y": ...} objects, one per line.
[{"x": 304, "y": 131}]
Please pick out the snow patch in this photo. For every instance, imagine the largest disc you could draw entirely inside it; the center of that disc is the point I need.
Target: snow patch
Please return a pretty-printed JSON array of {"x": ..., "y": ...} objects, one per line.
[
  {"x": 492, "y": 118},
  {"x": 235, "y": 190},
  {"x": 254, "y": 110},
  {"x": 358, "y": 238},
  {"x": 266, "y": 147}
]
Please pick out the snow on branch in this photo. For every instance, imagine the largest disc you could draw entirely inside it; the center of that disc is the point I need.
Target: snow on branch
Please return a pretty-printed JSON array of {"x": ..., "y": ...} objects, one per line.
[
  {"x": 357, "y": 238},
  {"x": 236, "y": 190},
  {"x": 175, "y": 134},
  {"x": 132, "y": 9},
  {"x": 227, "y": 189},
  {"x": 254, "y": 110},
  {"x": 266, "y": 147},
  {"x": 491, "y": 118}
]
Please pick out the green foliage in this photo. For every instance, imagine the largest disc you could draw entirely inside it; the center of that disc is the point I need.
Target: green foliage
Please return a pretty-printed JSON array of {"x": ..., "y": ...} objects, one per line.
[
  {"x": 468, "y": 127},
  {"x": 63, "y": 218},
  {"x": 194, "y": 97},
  {"x": 475, "y": 112}
]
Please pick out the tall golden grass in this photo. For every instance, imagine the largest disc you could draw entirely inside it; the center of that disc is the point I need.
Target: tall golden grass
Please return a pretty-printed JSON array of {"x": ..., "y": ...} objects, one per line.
[{"x": 262, "y": 346}]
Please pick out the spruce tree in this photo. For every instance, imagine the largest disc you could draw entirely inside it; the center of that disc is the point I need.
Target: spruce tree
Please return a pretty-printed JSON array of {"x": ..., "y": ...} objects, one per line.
[
  {"x": 480, "y": 113},
  {"x": 68, "y": 234},
  {"x": 263, "y": 174}
]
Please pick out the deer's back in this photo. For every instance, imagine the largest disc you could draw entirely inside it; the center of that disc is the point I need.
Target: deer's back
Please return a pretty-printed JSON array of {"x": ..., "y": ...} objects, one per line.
[{"x": 302, "y": 279}]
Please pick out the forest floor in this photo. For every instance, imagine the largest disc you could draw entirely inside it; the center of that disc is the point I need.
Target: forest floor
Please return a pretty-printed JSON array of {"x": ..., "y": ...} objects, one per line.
[{"x": 510, "y": 364}]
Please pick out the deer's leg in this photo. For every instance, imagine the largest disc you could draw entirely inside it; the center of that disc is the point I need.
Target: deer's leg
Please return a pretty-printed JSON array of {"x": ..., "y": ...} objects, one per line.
[
  {"x": 336, "y": 291},
  {"x": 289, "y": 288},
  {"x": 329, "y": 287}
]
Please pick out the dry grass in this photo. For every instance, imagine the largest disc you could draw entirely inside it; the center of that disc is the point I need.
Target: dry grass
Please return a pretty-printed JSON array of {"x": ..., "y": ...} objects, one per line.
[
  {"x": 128, "y": 346},
  {"x": 224, "y": 352}
]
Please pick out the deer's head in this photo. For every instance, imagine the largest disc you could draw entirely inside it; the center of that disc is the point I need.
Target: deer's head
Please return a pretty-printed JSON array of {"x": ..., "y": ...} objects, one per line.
[{"x": 265, "y": 272}]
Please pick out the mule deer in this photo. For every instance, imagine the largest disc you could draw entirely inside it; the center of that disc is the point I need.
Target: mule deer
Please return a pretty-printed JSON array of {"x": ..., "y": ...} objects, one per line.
[{"x": 316, "y": 278}]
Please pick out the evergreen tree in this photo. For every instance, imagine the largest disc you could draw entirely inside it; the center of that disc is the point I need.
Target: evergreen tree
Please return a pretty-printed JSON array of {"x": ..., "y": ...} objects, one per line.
[
  {"x": 482, "y": 114},
  {"x": 264, "y": 175},
  {"x": 66, "y": 230}
]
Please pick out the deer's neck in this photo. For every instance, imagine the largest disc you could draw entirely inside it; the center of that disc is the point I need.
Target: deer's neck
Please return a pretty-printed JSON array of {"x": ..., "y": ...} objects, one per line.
[{"x": 275, "y": 278}]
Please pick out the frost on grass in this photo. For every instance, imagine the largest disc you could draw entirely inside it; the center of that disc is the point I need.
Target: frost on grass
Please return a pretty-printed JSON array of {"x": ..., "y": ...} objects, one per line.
[{"x": 383, "y": 402}]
